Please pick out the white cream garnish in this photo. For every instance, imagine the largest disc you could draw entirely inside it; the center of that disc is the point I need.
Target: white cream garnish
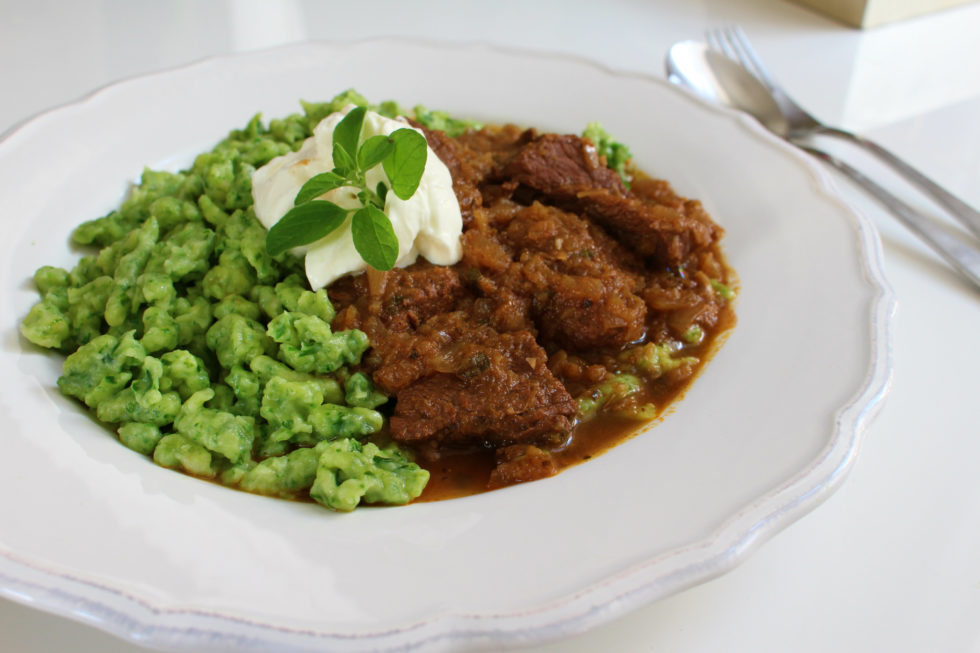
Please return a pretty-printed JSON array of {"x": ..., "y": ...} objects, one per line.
[{"x": 427, "y": 224}]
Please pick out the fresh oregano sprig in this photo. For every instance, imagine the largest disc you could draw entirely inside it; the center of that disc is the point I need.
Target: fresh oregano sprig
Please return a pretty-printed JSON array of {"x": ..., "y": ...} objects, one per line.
[{"x": 402, "y": 154}]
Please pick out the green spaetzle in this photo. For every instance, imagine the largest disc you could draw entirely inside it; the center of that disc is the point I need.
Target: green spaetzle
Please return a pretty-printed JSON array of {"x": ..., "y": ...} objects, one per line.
[{"x": 206, "y": 353}]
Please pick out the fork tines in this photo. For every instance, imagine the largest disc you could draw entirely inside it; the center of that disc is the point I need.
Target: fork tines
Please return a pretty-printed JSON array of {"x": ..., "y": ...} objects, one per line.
[{"x": 734, "y": 44}]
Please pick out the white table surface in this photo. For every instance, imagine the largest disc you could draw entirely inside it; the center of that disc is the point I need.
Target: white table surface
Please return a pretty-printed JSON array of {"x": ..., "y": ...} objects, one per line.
[{"x": 891, "y": 562}]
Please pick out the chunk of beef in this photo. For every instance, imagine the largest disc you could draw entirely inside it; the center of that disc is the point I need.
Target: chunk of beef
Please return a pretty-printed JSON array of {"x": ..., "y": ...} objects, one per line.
[
  {"x": 578, "y": 296},
  {"x": 566, "y": 171},
  {"x": 554, "y": 162},
  {"x": 401, "y": 359},
  {"x": 476, "y": 386},
  {"x": 582, "y": 312},
  {"x": 412, "y": 296},
  {"x": 662, "y": 233}
]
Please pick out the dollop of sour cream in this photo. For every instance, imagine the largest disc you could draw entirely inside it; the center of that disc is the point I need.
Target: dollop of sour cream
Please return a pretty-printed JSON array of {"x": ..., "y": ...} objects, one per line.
[{"x": 427, "y": 224}]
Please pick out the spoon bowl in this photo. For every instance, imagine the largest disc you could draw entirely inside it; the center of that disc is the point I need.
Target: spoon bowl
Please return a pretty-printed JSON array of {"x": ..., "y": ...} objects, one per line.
[{"x": 714, "y": 76}]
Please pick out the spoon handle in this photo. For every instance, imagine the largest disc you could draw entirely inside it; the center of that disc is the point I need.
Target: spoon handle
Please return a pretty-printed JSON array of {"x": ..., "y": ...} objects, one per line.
[
  {"x": 962, "y": 211},
  {"x": 965, "y": 259}
]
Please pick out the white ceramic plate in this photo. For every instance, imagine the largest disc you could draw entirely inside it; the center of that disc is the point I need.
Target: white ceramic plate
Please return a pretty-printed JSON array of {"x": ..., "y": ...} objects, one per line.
[{"x": 95, "y": 532}]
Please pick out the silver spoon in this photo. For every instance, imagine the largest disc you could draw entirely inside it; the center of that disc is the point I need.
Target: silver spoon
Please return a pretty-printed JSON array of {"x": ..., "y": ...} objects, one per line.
[{"x": 715, "y": 77}]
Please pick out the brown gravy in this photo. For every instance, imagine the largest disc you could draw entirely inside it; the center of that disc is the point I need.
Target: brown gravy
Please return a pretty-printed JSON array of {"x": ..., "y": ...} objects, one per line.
[{"x": 466, "y": 473}]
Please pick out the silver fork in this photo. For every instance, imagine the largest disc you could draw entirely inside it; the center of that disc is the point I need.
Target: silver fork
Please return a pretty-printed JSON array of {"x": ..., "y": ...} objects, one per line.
[
  {"x": 733, "y": 42},
  {"x": 964, "y": 258}
]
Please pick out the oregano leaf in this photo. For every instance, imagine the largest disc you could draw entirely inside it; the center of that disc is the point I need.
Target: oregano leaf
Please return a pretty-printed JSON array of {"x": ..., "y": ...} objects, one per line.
[
  {"x": 304, "y": 224},
  {"x": 407, "y": 162},
  {"x": 347, "y": 133},
  {"x": 373, "y": 150},
  {"x": 319, "y": 184},
  {"x": 381, "y": 192},
  {"x": 374, "y": 238},
  {"x": 343, "y": 163}
]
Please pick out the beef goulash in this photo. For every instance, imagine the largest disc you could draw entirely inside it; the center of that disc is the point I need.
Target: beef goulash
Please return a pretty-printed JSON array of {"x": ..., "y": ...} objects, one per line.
[{"x": 579, "y": 306}]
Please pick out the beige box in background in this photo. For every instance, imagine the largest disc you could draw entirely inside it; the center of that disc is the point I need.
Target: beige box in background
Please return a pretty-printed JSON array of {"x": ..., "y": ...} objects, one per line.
[{"x": 869, "y": 13}]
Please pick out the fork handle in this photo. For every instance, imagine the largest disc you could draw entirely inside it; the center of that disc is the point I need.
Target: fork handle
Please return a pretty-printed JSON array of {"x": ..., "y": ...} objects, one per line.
[
  {"x": 962, "y": 211},
  {"x": 965, "y": 259}
]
